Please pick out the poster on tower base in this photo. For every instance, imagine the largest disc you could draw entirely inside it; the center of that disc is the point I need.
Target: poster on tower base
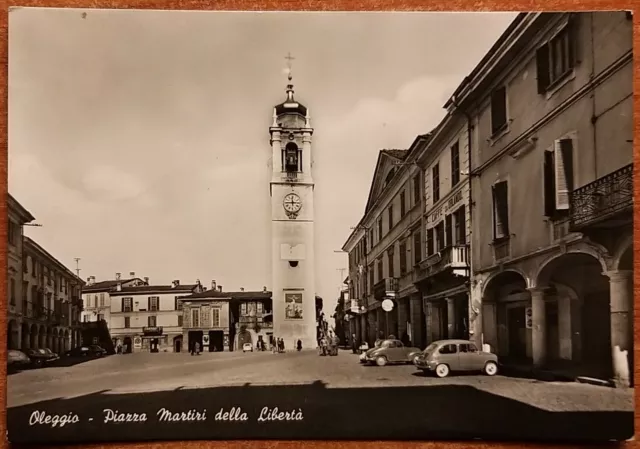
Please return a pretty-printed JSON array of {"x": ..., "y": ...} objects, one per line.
[
  {"x": 293, "y": 306},
  {"x": 311, "y": 220}
]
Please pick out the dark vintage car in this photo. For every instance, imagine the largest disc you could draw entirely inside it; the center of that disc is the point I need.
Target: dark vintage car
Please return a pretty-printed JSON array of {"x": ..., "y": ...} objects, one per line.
[
  {"x": 53, "y": 355},
  {"x": 390, "y": 351},
  {"x": 445, "y": 356},
  {"x": 40, "y": 357},
  {"x": 17, "y": 360},
  {"x": 97, "y": 351}
]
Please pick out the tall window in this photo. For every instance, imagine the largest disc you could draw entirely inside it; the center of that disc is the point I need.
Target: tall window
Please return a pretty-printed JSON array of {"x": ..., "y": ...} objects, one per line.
[
  {"x": 291, "y": 158},
  {"x": 34, "y": 266},
  {"x": 460, "y": 226},
  {"x": 14, "y": 232},
  {"x": 390, "y": 212},
  {"x": 154, "y": 303},
  {"x": 127, "y": 322},
  {"x": 101, "y": 299},
  {"x": 243, "y": 308},
  {"x": 179, "y": 320},
  {"x": 448, "y": 224},
  {"x": 455, "y": 164},
  {"x": 435, "y": 182},
  {"x": 390, "y": 262},
  {"x": 417, "y": 247},
  {"x": 379, "y": 229},
  {"x": 500, "y": 192},
  {"x": 403, "y": 205},
  {"x": 380, "y": 274},
  {"x": 558, "y": 178},
  {"x": 177, "y": 303},
  {"x": 12, "y": 284},
  {"x": 498, "y": 110},
  {"x": 430, "y": 242},
  {"x": 25, "y": 267},
  {"x": 195, "y": 318},
  {"x": 260, "y": 306},
  {"x": 152, "y": 321},
  {"x": 371, "y": 279},
  {"x": 88, "y": 299},
  {"x": 557, "y": 58},
  {"x": 417, "y": 190},
  {"x": 403, "y": 257},
  {"x": 440, "y": 236},
  {"x": 215, "y": 317},
  {"x": 127, "y": 304}
]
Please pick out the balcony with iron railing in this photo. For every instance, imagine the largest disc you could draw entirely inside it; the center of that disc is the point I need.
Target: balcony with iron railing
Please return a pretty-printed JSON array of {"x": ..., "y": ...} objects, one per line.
[
  {"x": 605, "y": 203},
  {"x": 454, "y": 259},
  {"x": 386, "y": 288}
]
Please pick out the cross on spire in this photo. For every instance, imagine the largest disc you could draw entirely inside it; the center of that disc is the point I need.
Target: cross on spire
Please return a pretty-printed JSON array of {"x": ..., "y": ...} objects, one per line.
[{"x": 289, "y": 59}]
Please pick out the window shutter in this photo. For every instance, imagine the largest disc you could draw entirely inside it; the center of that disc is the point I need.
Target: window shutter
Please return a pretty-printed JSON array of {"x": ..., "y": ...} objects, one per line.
[
  {"x": 501, "y": 209},
  {"x": 549, "y": 184},
  {"x": 542, "y": 67},
  {"x": 566, "y": 146},
  {"x": 572, "y": 29},
  {"x": 122, "y": 302},
  {"x": 461, "y": 220},
  {"x": 494, "y": 203},
  {"x": 149, "y": 303},
  {"x": 562, "y": 191},
  {"x": 448, "y": 230}
]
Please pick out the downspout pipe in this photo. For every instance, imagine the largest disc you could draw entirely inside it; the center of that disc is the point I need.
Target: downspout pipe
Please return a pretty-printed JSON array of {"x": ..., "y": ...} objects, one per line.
[{"x": 466, "y": 114}]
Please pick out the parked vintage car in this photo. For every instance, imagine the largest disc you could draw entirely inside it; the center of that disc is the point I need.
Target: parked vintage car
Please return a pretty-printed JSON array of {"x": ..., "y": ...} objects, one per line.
[
  {"x": 52, "y": 354},
  {"x": 17, "y": 360},
  {"x": 247, "y": 347},
  {"x": 390, "y": 351},
  {"x": 80, "y": 351},
  {"x": 39, "y": 357},
  {"x": 97, "y": 351},
  {"x": 445, "y": 356}
]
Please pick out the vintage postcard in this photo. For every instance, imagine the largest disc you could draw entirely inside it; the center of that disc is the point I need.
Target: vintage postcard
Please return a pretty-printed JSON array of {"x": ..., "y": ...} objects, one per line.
[{"x": 305, "y": 225}]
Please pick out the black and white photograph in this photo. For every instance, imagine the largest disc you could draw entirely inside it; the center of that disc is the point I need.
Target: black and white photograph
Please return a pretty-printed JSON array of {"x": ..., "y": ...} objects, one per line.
[{"x": 319, "y": 225}]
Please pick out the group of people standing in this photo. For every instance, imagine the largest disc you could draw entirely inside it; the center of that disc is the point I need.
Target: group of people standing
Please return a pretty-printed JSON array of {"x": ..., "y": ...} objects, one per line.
[{"x": 277, "y": 345}]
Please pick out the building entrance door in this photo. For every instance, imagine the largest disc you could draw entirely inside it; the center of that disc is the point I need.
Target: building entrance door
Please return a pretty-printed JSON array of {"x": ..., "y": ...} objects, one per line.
[
  {"x": 517, "y": 333},
  {"x": 194, "y": 337},
  {"x": 216, "y": 341}
]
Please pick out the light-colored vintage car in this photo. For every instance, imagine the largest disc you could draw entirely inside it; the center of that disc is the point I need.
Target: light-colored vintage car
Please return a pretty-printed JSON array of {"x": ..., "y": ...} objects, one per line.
[
  {"x": 445, "y": 356},
  {"x": 390, "y": 351}
]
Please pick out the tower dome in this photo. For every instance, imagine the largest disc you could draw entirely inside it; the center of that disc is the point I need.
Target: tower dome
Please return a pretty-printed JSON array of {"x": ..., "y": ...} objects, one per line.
[{"x": 290, "y": 105}]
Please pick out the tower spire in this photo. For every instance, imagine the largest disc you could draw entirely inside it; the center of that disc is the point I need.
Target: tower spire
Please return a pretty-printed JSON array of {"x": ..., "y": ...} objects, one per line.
[{"x": 289, "y": 59}]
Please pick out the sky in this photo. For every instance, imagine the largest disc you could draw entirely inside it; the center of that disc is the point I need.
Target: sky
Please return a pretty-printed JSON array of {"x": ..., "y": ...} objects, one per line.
[{"x": 139, "y": 139}]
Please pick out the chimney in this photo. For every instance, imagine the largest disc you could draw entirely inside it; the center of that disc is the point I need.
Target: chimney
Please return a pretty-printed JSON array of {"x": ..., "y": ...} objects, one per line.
[
  {"x": 118, "y": 275},
  {"x": 241, "y": 289},
  {"x": 220, "y": 288},
  {"x": 91, "y": 280},
  {"x": 119, "y": 286},
  {"x": 146, "y": 280},
  {"x": 264, "y": 289},
  {"x": 132, "y": 274},
  {"x": 213, "y": 285},
  {"x": 175, "y": 283}
]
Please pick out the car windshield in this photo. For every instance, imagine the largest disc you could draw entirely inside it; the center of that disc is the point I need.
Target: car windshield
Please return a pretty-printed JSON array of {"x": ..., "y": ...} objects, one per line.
[{"x": 430, "y": 348}]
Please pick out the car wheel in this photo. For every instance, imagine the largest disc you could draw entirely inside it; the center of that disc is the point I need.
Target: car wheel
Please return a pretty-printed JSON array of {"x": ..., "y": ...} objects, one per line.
[
  {"x": 442, "y": 370},
  {"x": 491, "y": 368},
  {"x": 381, "y": 360},
  {"x": 37, "y": 363}
]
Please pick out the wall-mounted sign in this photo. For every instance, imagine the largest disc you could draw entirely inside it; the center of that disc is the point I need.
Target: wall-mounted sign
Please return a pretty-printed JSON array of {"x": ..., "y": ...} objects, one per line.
[
  {"x": 205, "y": 339},
  {"x": 293, "y": 306},
  {"x": 528, "y": 316},
  {"x": 387, "y": 305},
  {"x": 152, "y": 330},
  {"x": 137, "y": 342},
  {"x": 451, "y": 203}
]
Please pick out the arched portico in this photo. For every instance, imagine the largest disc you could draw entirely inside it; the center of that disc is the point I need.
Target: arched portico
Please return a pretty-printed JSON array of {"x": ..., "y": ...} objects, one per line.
[
  {"x": 13, "y": 335},
  {"x": 505, "y": 304},
  {"x": 25, "y": 337},
  {"x": 571, "y": 302},
  {"x": 33, "y": 335},
  {"x": 42, "y": 337}
]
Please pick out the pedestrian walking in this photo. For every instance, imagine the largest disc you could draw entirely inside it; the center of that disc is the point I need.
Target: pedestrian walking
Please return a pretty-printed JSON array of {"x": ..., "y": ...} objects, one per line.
[
  {"x": 299, "y": 345},
  {"x": 197, "y": 348},
  {"x": 354, "y": 344}
]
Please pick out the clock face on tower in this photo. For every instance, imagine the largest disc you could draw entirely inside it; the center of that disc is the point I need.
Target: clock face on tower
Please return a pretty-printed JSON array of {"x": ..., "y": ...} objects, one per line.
[{"x": 292, "y": 203}]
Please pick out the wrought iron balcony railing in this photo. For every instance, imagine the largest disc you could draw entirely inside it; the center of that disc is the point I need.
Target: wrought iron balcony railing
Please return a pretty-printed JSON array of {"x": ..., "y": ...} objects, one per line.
[
  {"x": 386, "y": 288},
  {"x": 604, "y": 201},
  {"x": 454, "y": 258}
]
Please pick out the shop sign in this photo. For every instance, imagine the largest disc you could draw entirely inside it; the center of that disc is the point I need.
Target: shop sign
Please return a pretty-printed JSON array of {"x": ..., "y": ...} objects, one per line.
[{"x": 152, "y": 331}]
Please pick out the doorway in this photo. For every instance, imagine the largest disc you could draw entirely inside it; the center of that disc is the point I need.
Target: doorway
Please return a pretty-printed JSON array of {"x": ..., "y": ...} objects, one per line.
[
  {"x": 194, "y": 337},
  {"x": 517, "y": 330},
  {"x": 127, "y": 346},
  {"x": 216, "y": 341},
  {"x": 177, "y": 344}
]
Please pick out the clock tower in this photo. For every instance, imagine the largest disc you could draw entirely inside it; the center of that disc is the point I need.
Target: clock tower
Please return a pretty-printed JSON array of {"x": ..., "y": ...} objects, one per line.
[{"x": 292, "y": 233}]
